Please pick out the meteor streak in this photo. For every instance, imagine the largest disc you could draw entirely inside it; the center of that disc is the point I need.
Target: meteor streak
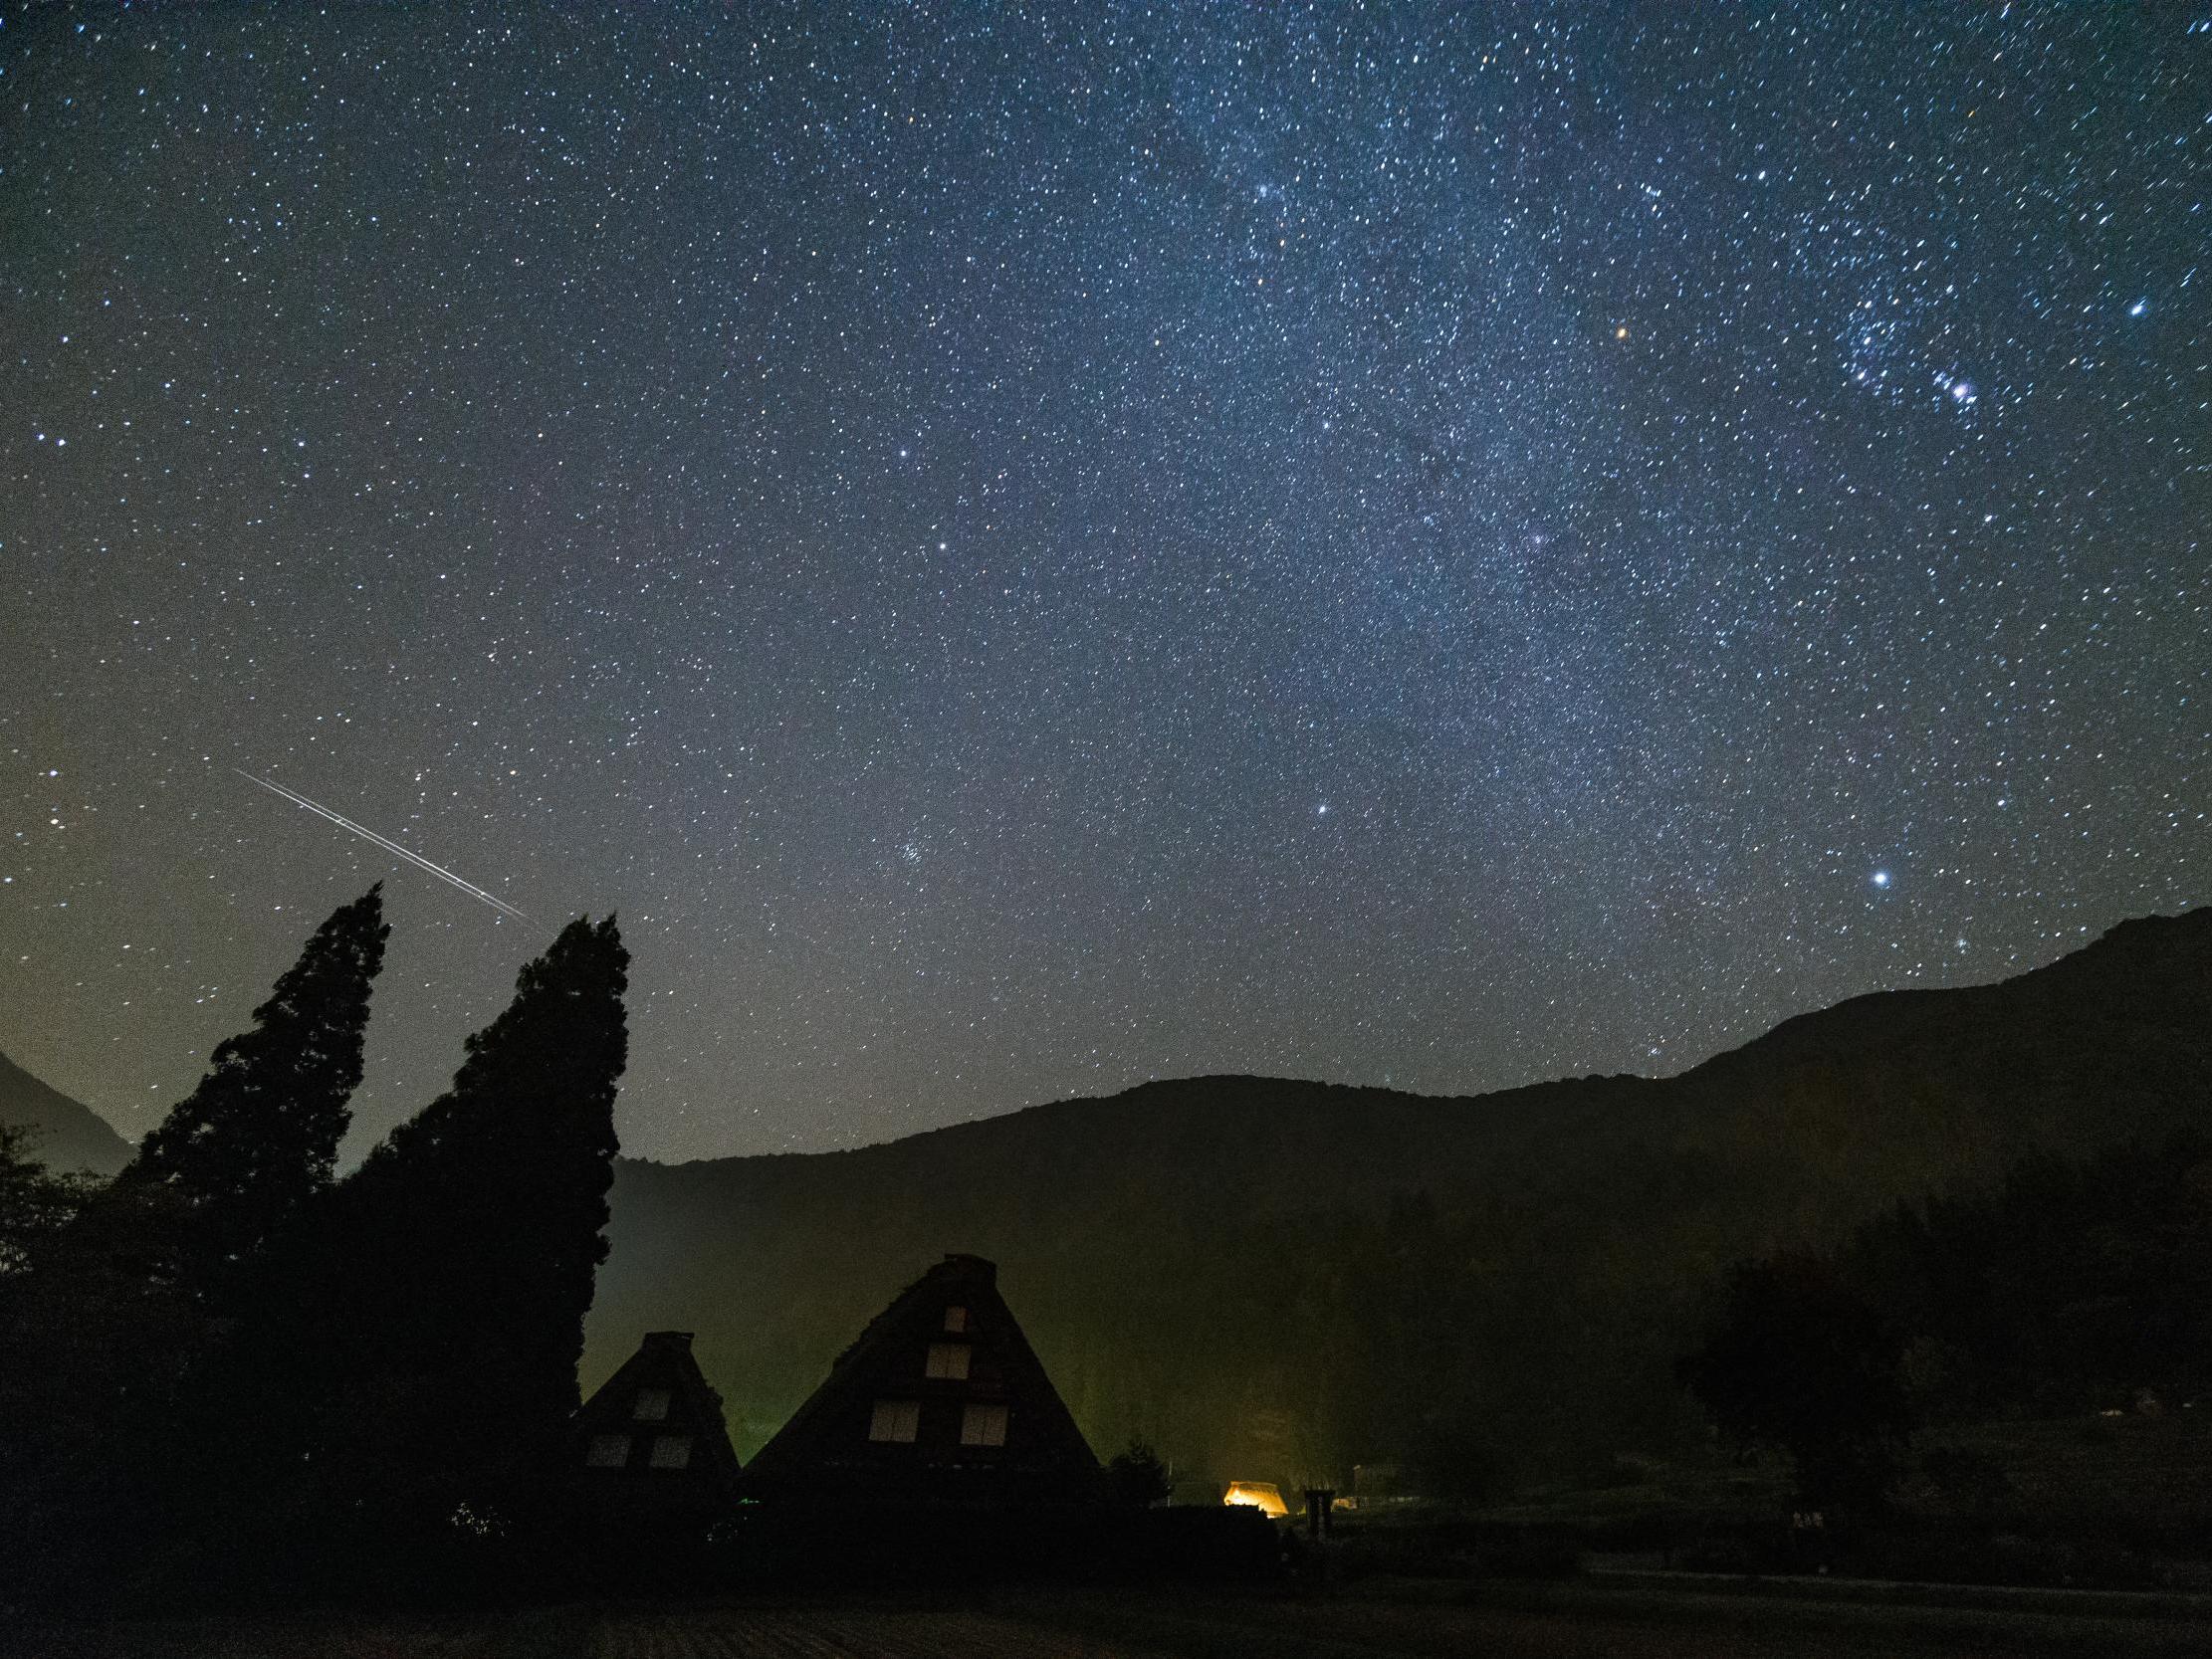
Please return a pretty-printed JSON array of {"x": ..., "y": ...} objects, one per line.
[{"x": 385, "y": 842}]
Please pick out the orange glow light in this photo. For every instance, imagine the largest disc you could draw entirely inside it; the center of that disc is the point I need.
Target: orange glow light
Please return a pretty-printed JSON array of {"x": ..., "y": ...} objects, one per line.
[{"x": 1259, "y": 1495}]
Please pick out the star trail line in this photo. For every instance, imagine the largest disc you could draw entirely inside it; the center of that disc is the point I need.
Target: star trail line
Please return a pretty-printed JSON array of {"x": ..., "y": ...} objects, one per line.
[{"x": 389, "y": 844}]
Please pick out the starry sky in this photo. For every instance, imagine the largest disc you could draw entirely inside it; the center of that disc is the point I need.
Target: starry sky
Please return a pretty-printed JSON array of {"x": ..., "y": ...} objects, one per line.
[{"x": 1028, "y": 549}]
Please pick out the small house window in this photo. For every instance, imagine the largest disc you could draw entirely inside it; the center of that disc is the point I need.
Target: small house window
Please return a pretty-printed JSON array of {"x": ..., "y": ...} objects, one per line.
[
  {"x": 896, "y": 1420},
  {"x": 671, "y": 1451},
  {"x": 608, "y": 1451},
  {"x": 652, "y": 1405},
  {"x": 956, "y": 1319},
  {"x": 983, "y": 1425},
  {"x": 946, "y": 1359}
]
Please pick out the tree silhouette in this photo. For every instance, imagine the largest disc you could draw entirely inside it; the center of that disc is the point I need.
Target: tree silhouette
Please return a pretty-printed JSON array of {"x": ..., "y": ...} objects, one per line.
[
  {"x": 1136, "y": 1477},
  {"x": 1799, "y": 1361},
  {"x": 36, "y": 1203},
  {"x": 2074, "y": 1285},
  {"x": 465, "y": 1249},
  {"x": 259, "y": 1137},
  {"x": 124, "y": 1300}
]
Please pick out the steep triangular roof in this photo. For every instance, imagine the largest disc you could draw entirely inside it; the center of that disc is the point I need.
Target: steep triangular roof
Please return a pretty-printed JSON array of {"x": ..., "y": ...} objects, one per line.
[
  {"x": 940, "y": 1396},
  {"x": 656, "y": 1398}
]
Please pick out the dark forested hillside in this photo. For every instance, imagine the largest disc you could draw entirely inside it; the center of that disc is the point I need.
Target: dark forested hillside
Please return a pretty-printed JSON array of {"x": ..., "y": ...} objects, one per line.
[
  {"x": 64, "y": 1135},
  {"x": 1277, "y": 1279}
]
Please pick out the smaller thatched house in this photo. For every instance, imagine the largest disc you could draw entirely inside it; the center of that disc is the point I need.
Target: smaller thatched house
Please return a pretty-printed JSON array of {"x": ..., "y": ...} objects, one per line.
[
  {"x": 650, "y": 1443},
  {"x": 941, "y": 1400}
]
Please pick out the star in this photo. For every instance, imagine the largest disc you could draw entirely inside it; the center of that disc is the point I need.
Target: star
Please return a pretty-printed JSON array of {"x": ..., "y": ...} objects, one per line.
[{"x": 1255, "y": 382}]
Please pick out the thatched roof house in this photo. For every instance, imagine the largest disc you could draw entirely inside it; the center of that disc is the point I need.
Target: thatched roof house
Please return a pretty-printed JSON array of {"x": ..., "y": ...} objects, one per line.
[
  {"x": 940, "y": 1398},
  {"x": 651, "y": 1440}
]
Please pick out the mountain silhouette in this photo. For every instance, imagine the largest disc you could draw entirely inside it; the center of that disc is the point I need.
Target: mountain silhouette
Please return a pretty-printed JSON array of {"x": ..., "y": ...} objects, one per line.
[
  {"x": 64, "y": 1135},
  {"x": 1277, "y": 1278}
]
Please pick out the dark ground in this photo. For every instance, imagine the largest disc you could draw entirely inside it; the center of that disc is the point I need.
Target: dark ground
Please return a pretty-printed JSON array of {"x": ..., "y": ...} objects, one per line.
[{"x": 1566, "y": 1620}]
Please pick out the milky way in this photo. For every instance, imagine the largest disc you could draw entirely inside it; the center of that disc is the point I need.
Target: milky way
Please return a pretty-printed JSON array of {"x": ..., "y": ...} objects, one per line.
[{"x": 1025, "y": 550}]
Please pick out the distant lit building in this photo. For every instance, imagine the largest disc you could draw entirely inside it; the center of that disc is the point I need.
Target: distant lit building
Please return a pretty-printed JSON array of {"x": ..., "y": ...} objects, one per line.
[{"x": 1263, "y": 1495}]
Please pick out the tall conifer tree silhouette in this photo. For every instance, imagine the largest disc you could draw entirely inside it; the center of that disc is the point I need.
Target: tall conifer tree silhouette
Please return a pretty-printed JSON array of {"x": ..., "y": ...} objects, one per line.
[
  {"x": 117, "y": 1395},
  {"x": 470, "y": 1239},
  {"x": 259, "y": 1137}
]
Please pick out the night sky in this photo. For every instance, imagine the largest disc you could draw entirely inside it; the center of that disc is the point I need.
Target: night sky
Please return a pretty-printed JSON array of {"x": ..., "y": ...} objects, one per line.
[{"x": 1027, "y": 549}]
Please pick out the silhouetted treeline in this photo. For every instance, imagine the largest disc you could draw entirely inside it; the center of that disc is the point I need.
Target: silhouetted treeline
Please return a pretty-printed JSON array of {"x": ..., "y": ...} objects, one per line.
[
  {"x": 1243, "y": 1270},
  {"x": 2074, "y": 1285},
  {"x": 2078, "y": 1284},
  {"x": 1422, "y": 1333},
  {"x": 228, "y": 1373}
]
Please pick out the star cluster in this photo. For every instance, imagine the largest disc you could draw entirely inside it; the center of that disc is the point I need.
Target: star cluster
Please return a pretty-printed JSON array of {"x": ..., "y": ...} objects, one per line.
[{"x": 1024, "y": 549}]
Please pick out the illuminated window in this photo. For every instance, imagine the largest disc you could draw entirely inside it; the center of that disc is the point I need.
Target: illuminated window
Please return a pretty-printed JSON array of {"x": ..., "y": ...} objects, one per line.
[
  {"x": 946, "y": 1359},
  {"x": 956, "y": 1319},
  {"x": 652, "y": 1405},
  {"x": 671, "y": 1451},
  {"x": 608, "y": 1451},
  {"x": 983, "y": 1425},
  {"x": 896, "y": 1420}
]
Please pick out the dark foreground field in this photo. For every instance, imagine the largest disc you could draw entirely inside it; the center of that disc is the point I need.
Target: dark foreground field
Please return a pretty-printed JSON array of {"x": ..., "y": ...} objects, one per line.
[{"x": 1590, "y": 1617}]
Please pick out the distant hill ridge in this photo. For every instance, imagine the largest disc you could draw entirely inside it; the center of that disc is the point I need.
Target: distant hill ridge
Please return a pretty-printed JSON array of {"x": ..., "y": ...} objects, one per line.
[
  {"x": 1167, "y": 1247},
  {"x": 65, "y": 1135}
]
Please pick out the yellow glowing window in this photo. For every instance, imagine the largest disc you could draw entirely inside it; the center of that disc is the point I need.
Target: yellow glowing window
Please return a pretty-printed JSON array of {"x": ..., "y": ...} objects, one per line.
[
  {"x": 608, "y": 1451},
  {"x": 896, "y": 1420},
  {"x": 652, "y": 1405},
  {"x": 956, "y": 1319},
  {"x": 671, "y": 1451},
  {"x": 946, "y": 1359},
  {"x": 983, "y": 1425}
]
